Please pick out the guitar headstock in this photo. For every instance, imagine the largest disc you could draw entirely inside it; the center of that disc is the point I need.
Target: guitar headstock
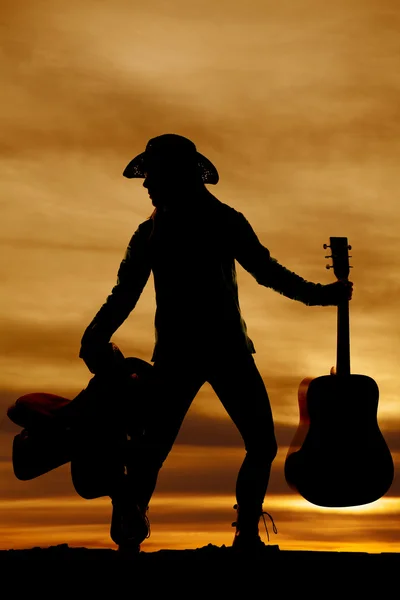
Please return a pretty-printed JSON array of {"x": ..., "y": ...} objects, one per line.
[{"x": 340, "y": 256}]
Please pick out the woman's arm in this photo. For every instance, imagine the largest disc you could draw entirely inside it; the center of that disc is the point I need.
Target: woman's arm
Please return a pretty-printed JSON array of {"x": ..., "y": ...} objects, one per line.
[
  {"x": 133, "y": 274},
  {"x": 256, "y": 259}
]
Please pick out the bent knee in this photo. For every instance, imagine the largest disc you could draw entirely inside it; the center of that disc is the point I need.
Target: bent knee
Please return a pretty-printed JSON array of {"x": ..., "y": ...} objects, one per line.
[
  {"x": 263, "y": 452},
  {"x": 271, "y": 450}
]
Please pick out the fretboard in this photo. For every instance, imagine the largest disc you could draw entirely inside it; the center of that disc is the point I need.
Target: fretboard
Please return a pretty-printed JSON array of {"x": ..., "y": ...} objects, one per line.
[{"x": 343, "y": 339}]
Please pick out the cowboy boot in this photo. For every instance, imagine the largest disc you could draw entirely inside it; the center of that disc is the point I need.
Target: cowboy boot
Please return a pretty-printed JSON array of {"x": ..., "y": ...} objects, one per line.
[
  {"x": 130, "y": 524},
  {"x": 247, "y": 537}
]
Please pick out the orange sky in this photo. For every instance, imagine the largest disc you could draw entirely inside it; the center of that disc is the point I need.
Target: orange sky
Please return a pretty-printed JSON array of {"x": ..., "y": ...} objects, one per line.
[{"x": 297, "y": 104}]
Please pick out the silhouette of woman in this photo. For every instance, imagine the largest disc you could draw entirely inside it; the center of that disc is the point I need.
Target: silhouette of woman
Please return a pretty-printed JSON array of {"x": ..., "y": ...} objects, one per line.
[{"x": 190, "y": 244}]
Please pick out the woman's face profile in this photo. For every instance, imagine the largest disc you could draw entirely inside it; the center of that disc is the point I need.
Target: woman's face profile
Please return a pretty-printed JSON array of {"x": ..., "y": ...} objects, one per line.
[{"x": 167, "y": 181}]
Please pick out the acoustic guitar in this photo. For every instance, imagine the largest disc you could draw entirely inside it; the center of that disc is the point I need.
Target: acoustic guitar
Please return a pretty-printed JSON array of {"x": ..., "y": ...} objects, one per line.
[{"x": 338, "y": 456}]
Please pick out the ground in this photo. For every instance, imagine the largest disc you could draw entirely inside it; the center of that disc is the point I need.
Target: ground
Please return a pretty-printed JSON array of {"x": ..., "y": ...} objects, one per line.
[{"x": 210, "y": 570}]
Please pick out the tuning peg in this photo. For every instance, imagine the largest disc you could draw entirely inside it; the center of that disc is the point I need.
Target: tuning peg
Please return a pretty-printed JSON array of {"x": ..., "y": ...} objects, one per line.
[
  {"x": 329, "y": 267},
  {"x": 349, "y": 247},
  {"x": 329, "y": 256},
  {"x": 325, "y": 246}
]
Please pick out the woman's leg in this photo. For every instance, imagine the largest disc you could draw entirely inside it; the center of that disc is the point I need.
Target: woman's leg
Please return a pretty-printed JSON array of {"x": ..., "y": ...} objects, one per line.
[
  {"x": 240, "y": 387},
  {"x": 172, "y": 389}
]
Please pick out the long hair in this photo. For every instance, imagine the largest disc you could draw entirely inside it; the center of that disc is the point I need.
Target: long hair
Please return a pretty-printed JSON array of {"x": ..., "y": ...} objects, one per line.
[{"x": 200, "y": 192}]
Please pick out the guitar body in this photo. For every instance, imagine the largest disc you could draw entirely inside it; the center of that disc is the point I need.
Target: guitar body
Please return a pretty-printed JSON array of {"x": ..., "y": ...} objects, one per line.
[{"x": 338, "y": 456}]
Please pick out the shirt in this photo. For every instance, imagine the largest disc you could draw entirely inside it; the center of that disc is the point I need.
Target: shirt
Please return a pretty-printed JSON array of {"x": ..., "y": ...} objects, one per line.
[{"x": 192, "y": 255}]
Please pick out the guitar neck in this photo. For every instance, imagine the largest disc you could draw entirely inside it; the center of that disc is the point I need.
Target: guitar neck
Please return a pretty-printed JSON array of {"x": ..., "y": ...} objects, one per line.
[{"x": 343, "y": 339}]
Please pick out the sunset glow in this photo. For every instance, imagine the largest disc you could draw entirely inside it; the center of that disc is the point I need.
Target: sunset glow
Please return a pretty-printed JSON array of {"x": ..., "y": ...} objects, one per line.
[{"x": 297, "y": 106}]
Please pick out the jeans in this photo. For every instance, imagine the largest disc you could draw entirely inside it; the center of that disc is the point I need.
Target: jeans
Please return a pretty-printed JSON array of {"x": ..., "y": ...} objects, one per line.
[{"x": 240, "y": 387}]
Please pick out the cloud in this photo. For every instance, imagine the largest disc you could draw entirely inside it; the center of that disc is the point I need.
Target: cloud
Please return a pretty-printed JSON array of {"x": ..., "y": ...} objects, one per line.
[{"x": 298, "y": 109}]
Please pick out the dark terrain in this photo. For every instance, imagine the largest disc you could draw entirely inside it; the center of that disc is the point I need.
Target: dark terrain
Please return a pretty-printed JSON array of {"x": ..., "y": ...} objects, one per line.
[{"x": 208, "y": 570}]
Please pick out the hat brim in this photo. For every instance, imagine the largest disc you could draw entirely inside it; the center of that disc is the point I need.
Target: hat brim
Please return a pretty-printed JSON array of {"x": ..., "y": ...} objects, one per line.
[{"x": 136, "y": 168}]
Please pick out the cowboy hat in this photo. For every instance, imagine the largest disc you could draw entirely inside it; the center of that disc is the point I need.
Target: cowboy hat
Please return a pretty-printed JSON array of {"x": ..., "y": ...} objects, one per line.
[{"x": 167, "y": 146}]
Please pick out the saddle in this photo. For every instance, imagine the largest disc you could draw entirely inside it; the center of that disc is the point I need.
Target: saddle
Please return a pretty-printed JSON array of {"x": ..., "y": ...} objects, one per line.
[{"x": 91, "y": 431}]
